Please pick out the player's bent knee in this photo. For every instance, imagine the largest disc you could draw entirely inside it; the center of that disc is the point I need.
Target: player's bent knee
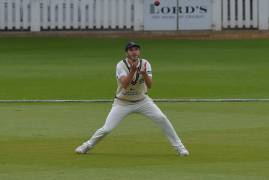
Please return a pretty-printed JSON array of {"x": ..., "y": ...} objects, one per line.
[
  {"x": 106, "y": 130},
  {"x": 160, "y": 117}
]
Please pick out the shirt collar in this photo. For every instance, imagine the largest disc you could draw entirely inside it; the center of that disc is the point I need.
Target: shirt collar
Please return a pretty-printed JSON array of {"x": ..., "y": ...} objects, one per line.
[{"x": 129, "y": 63}]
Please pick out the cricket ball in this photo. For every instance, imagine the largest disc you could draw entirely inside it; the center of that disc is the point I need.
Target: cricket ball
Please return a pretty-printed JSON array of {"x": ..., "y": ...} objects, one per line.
[{"x": 157, "y": 2}]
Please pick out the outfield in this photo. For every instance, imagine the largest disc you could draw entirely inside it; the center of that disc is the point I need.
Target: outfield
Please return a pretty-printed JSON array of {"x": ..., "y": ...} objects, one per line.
[
  {"x": 226, "y": 140},
  {"x": 74, "y": 68}
]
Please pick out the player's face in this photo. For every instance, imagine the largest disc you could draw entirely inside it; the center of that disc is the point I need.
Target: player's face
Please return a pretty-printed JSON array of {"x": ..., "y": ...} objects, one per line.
[{"x": 133, "y": 53}]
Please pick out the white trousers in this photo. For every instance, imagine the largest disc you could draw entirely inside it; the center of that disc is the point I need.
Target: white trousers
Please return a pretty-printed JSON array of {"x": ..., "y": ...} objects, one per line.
[{"x": 145, "y": 107}]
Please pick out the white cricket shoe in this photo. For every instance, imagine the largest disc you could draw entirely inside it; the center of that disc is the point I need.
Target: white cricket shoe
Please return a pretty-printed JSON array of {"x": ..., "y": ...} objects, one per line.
[
  {"x": 83, "y": 149},
  {"x": 182, "y": 151}
]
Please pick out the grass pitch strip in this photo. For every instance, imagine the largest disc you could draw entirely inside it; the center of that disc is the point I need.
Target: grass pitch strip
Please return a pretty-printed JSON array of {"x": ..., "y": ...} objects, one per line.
[{"x": 226, "y": 141}]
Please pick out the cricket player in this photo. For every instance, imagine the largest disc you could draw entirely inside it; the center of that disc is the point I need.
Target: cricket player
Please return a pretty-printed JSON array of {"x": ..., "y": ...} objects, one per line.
[{"x": 134, "y": 78}]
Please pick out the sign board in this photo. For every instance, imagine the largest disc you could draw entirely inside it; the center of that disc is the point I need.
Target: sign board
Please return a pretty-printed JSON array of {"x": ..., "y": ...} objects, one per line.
[
  {"x": 178, "y": 15},
  {"x": 162, "y": 17},
  {"x": 195, "y": 14}
]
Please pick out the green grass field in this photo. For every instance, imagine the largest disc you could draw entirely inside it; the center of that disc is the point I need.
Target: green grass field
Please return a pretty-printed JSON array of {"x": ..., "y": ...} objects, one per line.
[
  {"x": 74, "y": 68},
  {"x": 226, "y": 140}
]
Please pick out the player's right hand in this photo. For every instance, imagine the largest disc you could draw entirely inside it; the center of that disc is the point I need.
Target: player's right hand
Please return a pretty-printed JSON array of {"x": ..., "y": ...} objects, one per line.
[{"x": 134, "y": 66}]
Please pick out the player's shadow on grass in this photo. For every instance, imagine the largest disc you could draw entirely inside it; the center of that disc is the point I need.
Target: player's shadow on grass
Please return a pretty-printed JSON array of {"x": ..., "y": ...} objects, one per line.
[
  {"x": 105, "y": 160},
  {"x": 132, "y": 155}
]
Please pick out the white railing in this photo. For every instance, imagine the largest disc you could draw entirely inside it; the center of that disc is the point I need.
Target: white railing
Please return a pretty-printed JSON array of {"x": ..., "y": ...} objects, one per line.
[
  {"x": 69, "y": 14},
  {"x": 240, "y": 13},
  {"x": 36, "y": 15}
]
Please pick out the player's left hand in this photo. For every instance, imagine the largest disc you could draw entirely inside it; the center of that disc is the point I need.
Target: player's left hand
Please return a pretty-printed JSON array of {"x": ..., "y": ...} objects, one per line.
[{"x": 143, "y": 70}]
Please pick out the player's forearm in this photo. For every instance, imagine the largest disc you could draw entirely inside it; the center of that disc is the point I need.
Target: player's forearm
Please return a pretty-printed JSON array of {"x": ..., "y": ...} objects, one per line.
[
  {"x": 127, "y": 80},
  {"x": 148, "y": 80}
]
